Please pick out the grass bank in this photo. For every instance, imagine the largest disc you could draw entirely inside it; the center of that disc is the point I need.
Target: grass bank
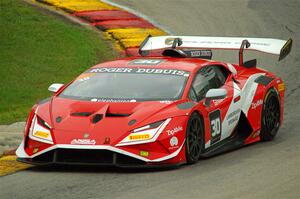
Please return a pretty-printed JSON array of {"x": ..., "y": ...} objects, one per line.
[{"x": 36, "y": 49}]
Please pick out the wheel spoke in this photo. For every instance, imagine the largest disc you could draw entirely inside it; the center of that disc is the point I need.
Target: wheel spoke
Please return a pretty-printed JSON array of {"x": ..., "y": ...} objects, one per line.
[
  {"x": 272, "y": 115},
  {"x": 194, "y": 138}
]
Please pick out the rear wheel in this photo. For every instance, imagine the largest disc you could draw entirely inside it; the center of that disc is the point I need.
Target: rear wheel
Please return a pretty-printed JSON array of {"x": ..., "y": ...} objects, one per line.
[
  {"x": 194, "y": 138},
  {"x": 270, "y": 116}
]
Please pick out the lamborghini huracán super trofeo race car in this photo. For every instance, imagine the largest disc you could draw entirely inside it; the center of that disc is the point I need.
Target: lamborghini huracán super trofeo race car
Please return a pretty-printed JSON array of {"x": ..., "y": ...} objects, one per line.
[{"x": 159, "y": 110}]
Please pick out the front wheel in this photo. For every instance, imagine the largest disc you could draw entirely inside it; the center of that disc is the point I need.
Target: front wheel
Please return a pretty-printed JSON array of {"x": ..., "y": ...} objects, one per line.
[
  {"x": 194, "y": 138},
  {"x": 270, "y": 116}
]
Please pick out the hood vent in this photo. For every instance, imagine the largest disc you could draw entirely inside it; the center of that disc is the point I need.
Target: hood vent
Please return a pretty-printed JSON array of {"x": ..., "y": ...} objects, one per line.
[
  {"x": 97, "y": 118},
  {"x": 81, "y": 114},
  {"x": 117, "y": 115}
]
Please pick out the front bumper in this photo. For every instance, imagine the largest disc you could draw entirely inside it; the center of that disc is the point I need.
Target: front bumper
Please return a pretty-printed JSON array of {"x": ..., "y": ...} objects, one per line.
[
  {"x": 92, "y": 155},
  {"x": 83, "y": 157}
]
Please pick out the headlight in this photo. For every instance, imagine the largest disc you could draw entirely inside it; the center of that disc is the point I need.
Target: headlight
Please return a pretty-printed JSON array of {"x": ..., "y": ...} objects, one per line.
[
  {"x": 40, "y": 130},
  {"x": 145, "y": 134}
]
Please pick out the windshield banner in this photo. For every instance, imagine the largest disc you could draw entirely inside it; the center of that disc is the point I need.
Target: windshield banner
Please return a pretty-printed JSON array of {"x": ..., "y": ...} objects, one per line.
[{"x": 140, "y": 71}]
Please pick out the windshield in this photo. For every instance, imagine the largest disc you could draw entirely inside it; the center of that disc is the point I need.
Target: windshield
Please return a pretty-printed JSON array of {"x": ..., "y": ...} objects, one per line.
[{"x": 132, "y": 84}]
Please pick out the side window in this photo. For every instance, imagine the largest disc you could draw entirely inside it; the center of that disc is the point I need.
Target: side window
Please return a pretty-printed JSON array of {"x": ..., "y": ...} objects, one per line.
[
  {"x": 221, "y": 74},
  {"x": 216, "y": 75},
  {"x": 207, "y": 77},
  {"x": 200, "y": 86},
  {"x": 192, "y": 95}
]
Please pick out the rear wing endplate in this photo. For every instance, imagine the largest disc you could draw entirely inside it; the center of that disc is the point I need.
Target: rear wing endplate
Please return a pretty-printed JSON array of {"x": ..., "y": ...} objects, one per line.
[{"x": 266, "y": 45}]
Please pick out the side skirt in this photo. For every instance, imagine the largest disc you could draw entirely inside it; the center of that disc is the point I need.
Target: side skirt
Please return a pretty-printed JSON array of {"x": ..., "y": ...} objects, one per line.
[{"x": 236, "y": 140}]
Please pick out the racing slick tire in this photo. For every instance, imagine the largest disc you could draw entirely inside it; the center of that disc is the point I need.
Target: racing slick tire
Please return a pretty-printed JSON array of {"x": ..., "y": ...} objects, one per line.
[
  {"x": 194, "y": 138},
  {"x": 270, "y": 121}
]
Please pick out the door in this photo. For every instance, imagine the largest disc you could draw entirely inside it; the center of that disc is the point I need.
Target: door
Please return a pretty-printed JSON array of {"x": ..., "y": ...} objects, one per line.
[{"x": 221, "y": 116}]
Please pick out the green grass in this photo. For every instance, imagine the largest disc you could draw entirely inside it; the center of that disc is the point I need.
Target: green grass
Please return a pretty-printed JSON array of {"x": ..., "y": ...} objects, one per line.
[{"x": 37, "y": 49}]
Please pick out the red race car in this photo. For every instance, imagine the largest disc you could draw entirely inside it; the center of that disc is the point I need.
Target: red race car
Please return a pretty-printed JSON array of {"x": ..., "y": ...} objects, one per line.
[{"x": 159, "y": 110}]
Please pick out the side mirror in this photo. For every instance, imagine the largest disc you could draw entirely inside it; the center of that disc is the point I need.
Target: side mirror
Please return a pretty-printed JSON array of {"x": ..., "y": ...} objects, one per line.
[
  {"x": 55, "y": 87},
  {"x": 213, "y": 94}
]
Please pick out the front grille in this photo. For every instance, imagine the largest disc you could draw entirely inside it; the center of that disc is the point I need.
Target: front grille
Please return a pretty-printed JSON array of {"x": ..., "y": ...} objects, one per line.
[
  {"x": 126, "y": 160},
  {"x": 44, "y": 158},
  {"x": 86, "y": 156}
]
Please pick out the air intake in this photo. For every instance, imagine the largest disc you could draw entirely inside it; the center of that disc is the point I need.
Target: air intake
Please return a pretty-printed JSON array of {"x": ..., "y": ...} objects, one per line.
[
  {"x": 117, "y": 115},
  {"x": 97, "y": 118}
]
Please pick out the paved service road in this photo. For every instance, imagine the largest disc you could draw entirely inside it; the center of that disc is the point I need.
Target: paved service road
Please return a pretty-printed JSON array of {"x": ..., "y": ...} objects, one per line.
[{"x": 263, "y": 170}]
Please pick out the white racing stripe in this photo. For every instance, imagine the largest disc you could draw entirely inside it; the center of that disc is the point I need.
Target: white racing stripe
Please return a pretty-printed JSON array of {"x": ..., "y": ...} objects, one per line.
[
  {"x": 248, "y": 92},
  {"x": 233, "y": 114}
]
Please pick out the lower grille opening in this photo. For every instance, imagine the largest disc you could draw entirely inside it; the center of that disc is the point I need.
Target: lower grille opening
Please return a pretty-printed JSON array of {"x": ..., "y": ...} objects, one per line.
[
  {"x": 44, "y": 158},
  {"x": 86, "y": 156},
  {"x": 126, "y": 160}
]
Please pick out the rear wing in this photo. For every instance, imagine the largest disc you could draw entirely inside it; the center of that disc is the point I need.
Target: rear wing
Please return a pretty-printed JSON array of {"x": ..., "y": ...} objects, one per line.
[{"x": 266, "y": 45}]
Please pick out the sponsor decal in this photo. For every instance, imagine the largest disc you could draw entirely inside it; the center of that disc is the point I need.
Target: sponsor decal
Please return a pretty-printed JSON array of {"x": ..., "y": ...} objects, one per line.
[
  {"x": 231, "y": 121},
  {"x": 139, "y": 137},
  {"x": 281, "y": 87},
  {"x": 140, "y": 71},
  {"x": 205, "y": 54},
  {"x": 160, "y": 71},
  {"x": 165, "y": 102},
  {"x": 110, "y": 70},
  {"x": 113, "y": 100},
  {"x": 256, "y": 104},
  {"x": 233, "y": 117},
  {"x": 198, "y": 53},
  {"x": 83, "y": 142},
  {"x": 174, "y": 141},
  {"x": 215, "y": 126},
  {"x": 150, "y": 62},
  {"x": 144, "y": 153},
  {"x": 175, "y": 130}
]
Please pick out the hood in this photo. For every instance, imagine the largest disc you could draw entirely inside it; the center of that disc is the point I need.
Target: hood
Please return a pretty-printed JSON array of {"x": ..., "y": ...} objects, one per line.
[{"x": 72, "y": 119}]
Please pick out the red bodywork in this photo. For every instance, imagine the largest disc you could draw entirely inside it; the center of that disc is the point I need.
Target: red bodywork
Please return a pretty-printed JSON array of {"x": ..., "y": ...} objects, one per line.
[{"x": 110, "y": 131}]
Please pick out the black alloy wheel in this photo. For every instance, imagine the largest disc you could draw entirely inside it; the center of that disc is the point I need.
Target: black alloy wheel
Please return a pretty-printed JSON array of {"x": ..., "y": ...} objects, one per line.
[
  {"x": 194, "y": 138},
  {"x": 270, "y": 116}
]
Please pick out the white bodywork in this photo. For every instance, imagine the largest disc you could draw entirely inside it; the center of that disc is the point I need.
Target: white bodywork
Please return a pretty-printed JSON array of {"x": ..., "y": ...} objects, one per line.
[
  {"x": 267, "y": 45},
  {"x": 246, "y": 94},
  {"x": 22, "y": 154}
]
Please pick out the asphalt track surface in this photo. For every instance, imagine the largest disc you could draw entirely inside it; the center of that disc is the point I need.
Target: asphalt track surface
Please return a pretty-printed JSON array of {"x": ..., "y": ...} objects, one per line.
[{"x": 262, "y": 170}]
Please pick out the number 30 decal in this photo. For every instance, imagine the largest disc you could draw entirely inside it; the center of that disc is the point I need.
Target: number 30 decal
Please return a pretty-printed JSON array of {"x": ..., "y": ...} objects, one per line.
[{"x": 215, "y": 126}]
